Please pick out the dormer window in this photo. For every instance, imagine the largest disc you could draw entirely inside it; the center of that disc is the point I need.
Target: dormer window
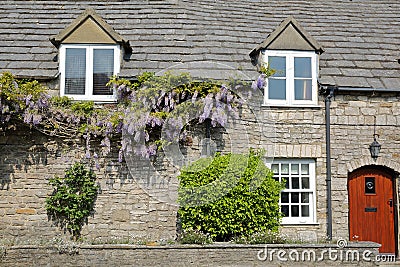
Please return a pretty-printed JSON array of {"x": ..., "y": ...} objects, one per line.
[
  {"x": 293, "y": 54},
  {"x": 85, "y": 70},
  {"x": 295, "y": 79},
  {"x": 90, "y": 53}
]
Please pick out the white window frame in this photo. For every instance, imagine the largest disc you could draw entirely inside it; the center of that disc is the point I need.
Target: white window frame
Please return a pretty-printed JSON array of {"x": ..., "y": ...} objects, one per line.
[
  {"x": 312, "y": 183},
  {"x": 290, "y": 94},
  {"x": 89, "y": 71}
]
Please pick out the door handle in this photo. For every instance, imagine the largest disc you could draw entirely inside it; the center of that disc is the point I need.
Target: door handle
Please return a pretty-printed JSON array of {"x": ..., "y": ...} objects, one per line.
[{"x": 390, "y": 202}]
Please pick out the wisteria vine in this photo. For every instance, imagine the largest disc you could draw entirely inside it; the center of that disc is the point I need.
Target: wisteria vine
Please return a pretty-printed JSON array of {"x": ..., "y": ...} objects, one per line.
[{"x": 144, "y": 108}]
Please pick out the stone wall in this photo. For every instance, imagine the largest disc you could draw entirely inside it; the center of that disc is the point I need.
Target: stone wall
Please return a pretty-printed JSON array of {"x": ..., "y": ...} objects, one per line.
[
  {"x": 352, "y": 128},
  {"x": 299, "y": 133},
  {"x": 123, "y": 209},
  {"x": 137, "y": 199},
  {"x": 355, "y": 254},
  {"x": 139, "y": 204}
]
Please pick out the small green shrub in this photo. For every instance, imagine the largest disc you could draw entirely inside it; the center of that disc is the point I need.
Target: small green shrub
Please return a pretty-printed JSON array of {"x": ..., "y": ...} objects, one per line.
[
  {"x": 192, "y": 236},
  {"x": 73, "y": 197},
  {"x": 245, "y": 197},
  {"x": 264, "y": 237}
]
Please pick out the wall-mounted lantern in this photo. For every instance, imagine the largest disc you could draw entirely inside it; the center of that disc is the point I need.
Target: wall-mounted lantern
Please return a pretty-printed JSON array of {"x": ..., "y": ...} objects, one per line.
[{"x": 374, "y": 147}]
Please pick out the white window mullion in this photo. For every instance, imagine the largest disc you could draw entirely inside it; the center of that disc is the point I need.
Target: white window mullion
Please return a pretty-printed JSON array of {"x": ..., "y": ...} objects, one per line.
[
  {"x": 62, "y": 70},
  {"x": 89, "y": 72},
  {"x": 117, "y": 60},
  {"x": 315, "y": 68},
  {"x": 290, "y": 80}
]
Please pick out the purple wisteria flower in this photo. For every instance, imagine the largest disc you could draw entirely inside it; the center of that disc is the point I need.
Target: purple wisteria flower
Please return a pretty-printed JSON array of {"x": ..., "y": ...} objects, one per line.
[
  {"x": 36, "y": 119},
  {"x": 152, "y": 150},
  {"x": 120, "y": 155},
  {"x": 28, "y": 100},
  {"x": 259, "y": 83}
]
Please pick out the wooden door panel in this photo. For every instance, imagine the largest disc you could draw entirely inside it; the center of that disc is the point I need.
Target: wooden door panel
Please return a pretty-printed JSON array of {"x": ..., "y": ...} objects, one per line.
[{"x": 371, "y": 216}]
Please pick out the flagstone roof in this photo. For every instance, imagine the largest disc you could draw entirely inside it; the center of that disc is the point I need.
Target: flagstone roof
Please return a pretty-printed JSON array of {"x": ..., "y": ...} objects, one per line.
[{"x": 360, "y": 38}]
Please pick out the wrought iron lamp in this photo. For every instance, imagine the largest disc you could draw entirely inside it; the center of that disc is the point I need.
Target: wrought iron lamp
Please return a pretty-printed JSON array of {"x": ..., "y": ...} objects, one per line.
[{"x": 374, "y": 147}]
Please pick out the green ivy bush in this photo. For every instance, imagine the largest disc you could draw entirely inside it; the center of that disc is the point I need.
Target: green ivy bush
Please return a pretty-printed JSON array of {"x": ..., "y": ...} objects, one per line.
[
  {"x": 249, "y": 202},
  {"x": 73, "y": 198}
]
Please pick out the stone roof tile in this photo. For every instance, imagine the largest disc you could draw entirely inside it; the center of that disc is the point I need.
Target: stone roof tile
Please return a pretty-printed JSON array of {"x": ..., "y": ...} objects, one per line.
[{"x": 359, "y": 37}]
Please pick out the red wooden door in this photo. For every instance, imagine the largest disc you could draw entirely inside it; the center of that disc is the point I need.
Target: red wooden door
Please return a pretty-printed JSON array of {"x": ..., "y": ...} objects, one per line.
[{"x": 371, "y": 208}]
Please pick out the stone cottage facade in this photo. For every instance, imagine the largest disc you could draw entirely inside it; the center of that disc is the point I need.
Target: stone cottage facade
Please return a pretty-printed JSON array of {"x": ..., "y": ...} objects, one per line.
[{"x": 337, "y": 83}]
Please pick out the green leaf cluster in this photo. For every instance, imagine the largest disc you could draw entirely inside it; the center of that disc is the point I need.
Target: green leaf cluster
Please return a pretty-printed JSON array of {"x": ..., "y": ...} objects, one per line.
[
  {"x": 265, "y": 69},
  {"x": 15, "y": 90},
  {"x": 249, "y": 201},
  {"x": 73, "y": 198}
]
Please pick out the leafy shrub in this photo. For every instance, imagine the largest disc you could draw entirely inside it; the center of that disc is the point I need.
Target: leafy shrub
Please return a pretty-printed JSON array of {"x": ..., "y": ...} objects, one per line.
[
  {"x": 73, "y": 197},
  {"x": 229, "y": 195},
  {"x": 192, "y": 236}
]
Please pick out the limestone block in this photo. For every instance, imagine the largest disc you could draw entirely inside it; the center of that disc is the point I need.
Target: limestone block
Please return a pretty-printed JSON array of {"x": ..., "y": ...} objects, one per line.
[
  {"x": 368, "y": 111},
  {"x": 121, "y": 215},
  {"x": 27, "y": 211},
  {"x": 307, "y": 236},
  {"x": 391, "y": 120},
  {"x": 355, "y": 111},
  {"x": 296, "y": 151},
  {"x": 357, "y": 104}
]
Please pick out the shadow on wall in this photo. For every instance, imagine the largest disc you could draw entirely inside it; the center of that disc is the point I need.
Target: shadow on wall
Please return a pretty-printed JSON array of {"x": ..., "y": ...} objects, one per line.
[
  {"x": 202, "y": 141},
  {"x": 23, "y": 148},
  {"x": 19, "y": 149}
]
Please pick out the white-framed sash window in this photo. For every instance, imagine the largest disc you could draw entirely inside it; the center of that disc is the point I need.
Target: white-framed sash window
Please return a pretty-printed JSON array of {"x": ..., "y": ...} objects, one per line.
[{"x": 85, "y": 70}]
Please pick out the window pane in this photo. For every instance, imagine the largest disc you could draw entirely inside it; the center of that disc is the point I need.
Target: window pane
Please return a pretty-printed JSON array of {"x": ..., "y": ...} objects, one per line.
[
  {"x": 302, "y": 89},
  {"x": 103, "y": 69},
  {"x": 294, "y": 197},
  {"x": 305, "y": 211},
  {"x": 286, "y": 180},
  {"x": 302, "y": 67},
  {"x": 75, "y": 71},
  {"x": 285, "y": 169},
  {"x": 295, "y": 211},
  {"x": 304, "y": 168},
  {"x": 305, "y": 183},
  {"x": 295, "y": 183},
  {"x": 279, "y": 65},
  {"x": 305, "y": 197},
  {"x": 295, "y": 169},
  {"x": 276, "y": 89},
  {"x": 284, "y": 197},
  {"x": 285, "y": 210},
  {"x": 275, "y": 168}
]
